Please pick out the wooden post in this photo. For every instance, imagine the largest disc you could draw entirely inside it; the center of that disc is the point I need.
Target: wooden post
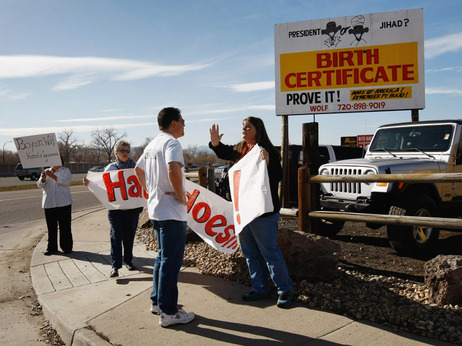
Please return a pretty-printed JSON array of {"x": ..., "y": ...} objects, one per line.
[
  {"x": 304, "y": 200},
  {"x": 284, "y": 187},
  {"x": 202, "y": 172},
  {"x": 311, "y": 160},
  {"x": 211, "y": 179}
]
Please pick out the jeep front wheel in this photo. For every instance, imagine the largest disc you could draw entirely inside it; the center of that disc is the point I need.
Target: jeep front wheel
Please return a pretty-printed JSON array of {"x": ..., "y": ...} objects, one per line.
[
  {"x": 414, "y": 240},
  {"x": 328, "y": 228}
]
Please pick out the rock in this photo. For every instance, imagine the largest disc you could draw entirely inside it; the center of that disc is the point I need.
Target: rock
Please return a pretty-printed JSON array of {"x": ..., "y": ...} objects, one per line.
[
  {"x": 443, "y": 277},
  {"x": 309, "y": 256}
]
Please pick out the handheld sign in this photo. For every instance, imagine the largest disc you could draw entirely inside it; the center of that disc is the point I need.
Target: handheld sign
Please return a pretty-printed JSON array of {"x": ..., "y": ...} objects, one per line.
[
  {"x": 38, "y": 150},
  {"x": 250, "y": 189}
]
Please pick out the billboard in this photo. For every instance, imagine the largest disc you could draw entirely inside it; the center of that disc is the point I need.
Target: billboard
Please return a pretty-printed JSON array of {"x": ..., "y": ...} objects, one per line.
[
  {"x": 360, "y": 63},
  {"x": 364, "y": 140}
]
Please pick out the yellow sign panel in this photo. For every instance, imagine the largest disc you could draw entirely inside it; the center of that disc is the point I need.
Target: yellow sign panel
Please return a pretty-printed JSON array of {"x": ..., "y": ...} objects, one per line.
[
  {"x": 372, "y": 66},
  {"x": 381, "y": 94}
]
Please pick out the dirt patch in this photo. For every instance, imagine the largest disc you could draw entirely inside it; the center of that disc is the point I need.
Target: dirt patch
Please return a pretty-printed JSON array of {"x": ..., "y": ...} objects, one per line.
[{"x": 23, "y": 322}]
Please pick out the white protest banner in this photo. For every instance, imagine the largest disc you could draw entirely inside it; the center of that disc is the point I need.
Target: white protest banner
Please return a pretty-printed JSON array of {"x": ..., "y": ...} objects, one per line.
[
  {"x": 38, "y": 150},
  {"x": 209, "y": 215},
  {"x": 117, "y": 189},
  {"x": 250, "y": 188}
]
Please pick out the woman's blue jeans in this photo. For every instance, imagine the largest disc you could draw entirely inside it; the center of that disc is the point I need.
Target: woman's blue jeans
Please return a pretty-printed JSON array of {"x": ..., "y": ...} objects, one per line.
[
  {"x": 258, "y": 242},
  {"x": 123, "y": 229},
  {"x": 171, "y": 237}
]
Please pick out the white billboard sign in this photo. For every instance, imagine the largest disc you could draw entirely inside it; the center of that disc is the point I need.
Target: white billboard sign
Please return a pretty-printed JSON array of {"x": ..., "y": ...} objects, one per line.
[
  {"x": 38, "y": 150},
  {"x": 361, "y": 63}
]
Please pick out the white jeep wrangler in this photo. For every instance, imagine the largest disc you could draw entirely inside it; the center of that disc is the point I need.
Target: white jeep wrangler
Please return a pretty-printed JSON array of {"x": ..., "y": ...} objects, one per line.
[{"x": 416, "y": 147}]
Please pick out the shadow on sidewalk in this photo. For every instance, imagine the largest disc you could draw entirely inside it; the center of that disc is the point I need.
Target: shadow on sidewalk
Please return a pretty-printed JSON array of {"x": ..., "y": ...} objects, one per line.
[{"x": 225, "y": 331}]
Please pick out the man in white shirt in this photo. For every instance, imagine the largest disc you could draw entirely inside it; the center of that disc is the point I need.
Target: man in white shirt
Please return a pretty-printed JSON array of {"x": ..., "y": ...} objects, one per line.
[
  {"x": 57, "y": 203},
  {"x": 160, "y": 171}
]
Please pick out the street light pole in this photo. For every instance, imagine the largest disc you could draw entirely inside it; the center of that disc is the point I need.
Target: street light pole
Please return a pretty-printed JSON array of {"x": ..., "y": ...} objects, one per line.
[{"x": 3, "y": 150}]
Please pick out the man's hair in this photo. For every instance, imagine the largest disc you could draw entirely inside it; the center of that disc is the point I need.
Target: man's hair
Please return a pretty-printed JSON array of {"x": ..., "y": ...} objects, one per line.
[
  {"x": 166, "y": 116},
  {"x": 120, "y": 144}
]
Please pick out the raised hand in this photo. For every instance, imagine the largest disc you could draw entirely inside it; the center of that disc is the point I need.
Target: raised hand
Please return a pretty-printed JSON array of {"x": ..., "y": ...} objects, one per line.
[{"x": 215, "y": 136}]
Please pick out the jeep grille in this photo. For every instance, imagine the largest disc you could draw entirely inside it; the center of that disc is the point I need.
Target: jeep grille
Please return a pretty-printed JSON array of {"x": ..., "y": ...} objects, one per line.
[
  {"x": 354, "y": 188},
  {"x": 346, "y": 190}
]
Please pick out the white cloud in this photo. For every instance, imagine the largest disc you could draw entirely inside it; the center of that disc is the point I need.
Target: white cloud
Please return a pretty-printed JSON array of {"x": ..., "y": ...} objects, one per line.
[
  {"x": 445, "y": 69},
  {"x": 231, "y": 109},
  {"x": 117, "y": 117},
  {"x": 433, "y": 91},
  {"x": 11, "y": 95},
  {"x": 256, "y": 86},
  {"x": 85, "y": 70},
  {"x": 27, "y": 131},
  {"x": 442, "y": 45}
]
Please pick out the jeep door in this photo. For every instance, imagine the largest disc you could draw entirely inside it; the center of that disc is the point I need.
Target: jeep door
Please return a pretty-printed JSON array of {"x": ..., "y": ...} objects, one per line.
[{"x": 458, "y": 167}]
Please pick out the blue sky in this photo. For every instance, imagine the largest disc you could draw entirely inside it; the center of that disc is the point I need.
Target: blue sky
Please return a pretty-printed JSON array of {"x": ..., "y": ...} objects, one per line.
[{"x": 86, "y": 65}]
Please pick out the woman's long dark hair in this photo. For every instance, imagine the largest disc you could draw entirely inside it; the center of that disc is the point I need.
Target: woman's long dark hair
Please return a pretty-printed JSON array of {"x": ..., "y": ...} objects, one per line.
[{"x": 261, "y": 137}]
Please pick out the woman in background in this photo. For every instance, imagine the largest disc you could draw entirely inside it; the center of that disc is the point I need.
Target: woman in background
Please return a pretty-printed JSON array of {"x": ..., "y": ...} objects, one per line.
[{"x": 124, "y": 222}]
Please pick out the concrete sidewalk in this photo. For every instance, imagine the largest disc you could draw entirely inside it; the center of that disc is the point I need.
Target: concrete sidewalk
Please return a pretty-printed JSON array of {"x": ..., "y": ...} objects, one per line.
[{"x": 87, "y": 307}]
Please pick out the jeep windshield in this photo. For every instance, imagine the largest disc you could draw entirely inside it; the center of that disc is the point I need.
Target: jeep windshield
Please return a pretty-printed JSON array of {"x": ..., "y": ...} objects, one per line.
[{"x": 413, "y": 138}]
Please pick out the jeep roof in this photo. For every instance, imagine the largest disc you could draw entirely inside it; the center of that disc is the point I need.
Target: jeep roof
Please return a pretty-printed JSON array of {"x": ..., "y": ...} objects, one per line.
[{"x": 457, "y": 121}]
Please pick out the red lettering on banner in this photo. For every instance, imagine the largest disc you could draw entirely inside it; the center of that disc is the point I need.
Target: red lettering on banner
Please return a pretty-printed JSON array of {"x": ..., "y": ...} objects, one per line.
[
  {"x": 135, "y": 190},
  {"x": 191, "y": 199},
  {"x": 110, "y": 186},
  {"x": 206, "y": 214},
  {"x": 227, "y": 233},
  {"x": 231, "y": 241},
  {"x": 212, "y": 223},
  {"x": 201, "y": 213}
]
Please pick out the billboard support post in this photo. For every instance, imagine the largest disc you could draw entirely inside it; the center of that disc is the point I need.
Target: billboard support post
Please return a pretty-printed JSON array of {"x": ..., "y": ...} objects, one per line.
[
  {"x": 284, "y": 188},
  {"x": 415, "y": 114}
]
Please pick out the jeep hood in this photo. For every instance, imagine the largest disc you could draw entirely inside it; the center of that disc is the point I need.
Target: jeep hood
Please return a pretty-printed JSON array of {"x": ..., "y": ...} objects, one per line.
[{"x": 395, "y": 165}]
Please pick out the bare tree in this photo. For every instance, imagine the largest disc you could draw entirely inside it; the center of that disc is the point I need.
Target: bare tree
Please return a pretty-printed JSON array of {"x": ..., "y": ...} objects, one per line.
[
  {"x": 190, "y": 153},
  {"x": 105, "y": 140},
  {"x": 67, "y": 144},
  {"x": 138, "y": 151}
]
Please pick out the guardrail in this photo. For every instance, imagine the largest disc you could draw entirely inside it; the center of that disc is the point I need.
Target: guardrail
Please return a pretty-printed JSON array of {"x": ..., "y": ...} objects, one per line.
[{"x": 309, "y": 200}]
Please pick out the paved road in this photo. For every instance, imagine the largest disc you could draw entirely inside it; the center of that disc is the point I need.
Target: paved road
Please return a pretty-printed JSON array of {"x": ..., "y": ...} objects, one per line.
[
  {"x": 25, "y": 205},
  {"x": 14, "y": 181}
]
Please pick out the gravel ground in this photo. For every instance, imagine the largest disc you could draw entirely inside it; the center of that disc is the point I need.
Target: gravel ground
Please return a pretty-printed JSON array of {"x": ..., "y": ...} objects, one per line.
[{"x": 373, "y": 283}]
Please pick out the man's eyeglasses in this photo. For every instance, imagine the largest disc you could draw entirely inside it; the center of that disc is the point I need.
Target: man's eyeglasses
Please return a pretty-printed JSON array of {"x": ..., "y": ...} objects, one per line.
[
  {"x": 124, "y": 151},
  {"x": 182, "y": 121}
]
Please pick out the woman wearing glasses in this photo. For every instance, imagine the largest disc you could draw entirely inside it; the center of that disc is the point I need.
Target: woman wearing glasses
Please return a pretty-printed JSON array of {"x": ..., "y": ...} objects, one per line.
[{"x": 124, "y": 222}]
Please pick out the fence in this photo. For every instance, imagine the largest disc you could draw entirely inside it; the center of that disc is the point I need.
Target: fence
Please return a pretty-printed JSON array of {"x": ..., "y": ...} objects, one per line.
[{"x": 309, "y": 200}]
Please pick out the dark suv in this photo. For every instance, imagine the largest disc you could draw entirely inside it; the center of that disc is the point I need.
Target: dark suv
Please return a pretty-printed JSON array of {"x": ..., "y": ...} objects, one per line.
[{"x": 31, "y": 173}]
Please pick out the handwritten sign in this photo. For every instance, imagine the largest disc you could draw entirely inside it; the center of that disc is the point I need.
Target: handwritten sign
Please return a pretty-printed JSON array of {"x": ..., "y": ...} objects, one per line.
[
  {"x": 209, "y": 215},
  {"x": 38, "y": 150}
]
